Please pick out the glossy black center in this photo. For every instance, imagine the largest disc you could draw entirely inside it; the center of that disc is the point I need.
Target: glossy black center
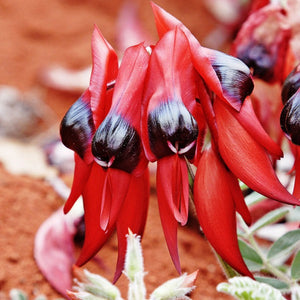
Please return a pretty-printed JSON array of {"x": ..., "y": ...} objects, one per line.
[
  {"x": 172, "y": 128},
  {"x": 117, "y": 144}
]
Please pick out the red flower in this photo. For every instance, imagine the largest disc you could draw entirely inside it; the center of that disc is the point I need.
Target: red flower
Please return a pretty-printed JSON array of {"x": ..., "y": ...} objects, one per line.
[
  {"x": 240, "y": 146},
  {"x": 263, "y": 43},
  {"x": 110, "y": 165},
  {"x": 170, "y": 130}
]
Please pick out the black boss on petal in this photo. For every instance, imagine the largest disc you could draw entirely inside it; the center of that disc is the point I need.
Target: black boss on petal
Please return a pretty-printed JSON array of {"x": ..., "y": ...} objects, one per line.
[
  {"x": 172, "y": 129},
  {"x": 77, "y": 127},
  {"x": 116, "y": 144},
  {"x": 233, "y": 74},
  {"x": 290, "y": 118},
  {"x": 257, "y": 57},
  {"x": 291, "y": 85}
]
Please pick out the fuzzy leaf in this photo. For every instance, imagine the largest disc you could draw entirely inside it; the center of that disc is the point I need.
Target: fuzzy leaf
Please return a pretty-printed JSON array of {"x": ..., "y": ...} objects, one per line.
[
  {"x": 285, "y": 244},
  {"x": 245, "y": 288},
  {"x": 269, "y": 218},
  {"x": 251, "y": 258},
  {"x": 295, "y": 270}
]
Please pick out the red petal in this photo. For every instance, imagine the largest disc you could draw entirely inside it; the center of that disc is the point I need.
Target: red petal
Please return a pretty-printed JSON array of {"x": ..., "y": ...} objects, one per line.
[
  {"x": 95, "y": 237},
  {"x": 246, "y": 158},
  {"x": 171, "y": 77},
  {"x": 81, "y": 175},
  {"x": 239, "y": 200},
  {"x": 166, "y": 22},
  {"x": 249, "y": 121},
  {"x": 216, "y": 209},
  {"x": 133, "y": 215},
  {"x": 104, "y": 71},
  {"x": 296, "y": 191},
  {"x": 117, "y": 184},
  {"x": 128, "y": 90},
  {"x": 172, "y": 199}
]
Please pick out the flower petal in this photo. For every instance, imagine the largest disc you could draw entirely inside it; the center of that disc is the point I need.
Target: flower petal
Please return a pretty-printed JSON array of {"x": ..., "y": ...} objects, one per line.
[
  {"x": 249, "y": 121},
  {"x": 100, "y": 218},
  {"x": 133, "y": 215},
  {"x": 169, "y": 94},
  {"x": 173, "y": 197},
  {"x": 104, "y": 71},
  {"x": 263, "y": 41},
  {"x": 166, "y": 22},
  {"x": 81, "y": 175},
  {"x": 246, "y": 158},
  {"x": 117, "y": 139},
  {"x": 216, "y": 209}
]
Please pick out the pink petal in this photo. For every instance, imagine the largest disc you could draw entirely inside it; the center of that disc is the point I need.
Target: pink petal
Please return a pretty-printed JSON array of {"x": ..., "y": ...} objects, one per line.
[{"x": 54, "y": 251}]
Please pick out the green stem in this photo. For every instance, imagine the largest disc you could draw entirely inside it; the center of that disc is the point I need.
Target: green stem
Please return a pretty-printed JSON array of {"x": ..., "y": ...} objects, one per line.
[{"x": 267, "y": 264}]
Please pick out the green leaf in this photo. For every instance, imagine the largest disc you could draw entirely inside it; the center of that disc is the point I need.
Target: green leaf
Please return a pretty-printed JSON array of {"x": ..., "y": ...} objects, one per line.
[
  {"x": 245, "y": 288},
  {"x": 252, "y": 259},
  {"x": 269, "y": 218},
  {"x": 285, "y": 244},
  {"x": 295, "y": 269},
  {"x": 254, "y": 198},
  {"x": 276, "y": 283}
]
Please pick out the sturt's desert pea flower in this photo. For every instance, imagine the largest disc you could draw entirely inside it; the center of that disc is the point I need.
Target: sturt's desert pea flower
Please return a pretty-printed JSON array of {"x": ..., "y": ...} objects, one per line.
[
  {"x": 170, "y": 130},
  {"x": 263, "y": 43},
  {"x": 161, "y": 107},
  {"x": 239, "y": 143},
  {"x": 102, "y": 127},
  {"x": 290, "y": 119}
]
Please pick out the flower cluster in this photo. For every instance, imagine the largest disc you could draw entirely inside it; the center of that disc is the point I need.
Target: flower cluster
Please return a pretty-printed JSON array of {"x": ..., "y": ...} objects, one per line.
[
  {"x": 161, "y": 105},
  {"x": 268, "y": 42}
]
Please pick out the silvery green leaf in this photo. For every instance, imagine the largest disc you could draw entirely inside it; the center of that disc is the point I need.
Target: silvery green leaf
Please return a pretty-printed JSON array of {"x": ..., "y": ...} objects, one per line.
[
  {"x": 269, "y": 218},
  {"x": 244, "y": 288},
  {"x": 285, "y": 244},
  {"x": 295, "y": 269},
  {"x": 250, "y": 256}
]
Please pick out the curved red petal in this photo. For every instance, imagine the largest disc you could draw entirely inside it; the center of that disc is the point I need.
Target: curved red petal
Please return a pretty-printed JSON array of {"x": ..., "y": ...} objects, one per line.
[
  {"x": 246, "y": 158},
  {"x": 81, "y": 175},
  {"x": 104, "y": 71},
  {"x": 239, "y": 200},
  {"x": 296, "y": 191},
  {"x": 216, "y": 209},
  {"x": 132, "y": 216},
  {"x": 250, "y": 122},
  {"x": 129, "y": 86},
  {"x": 169, "y": 223},
  {"x": 166, "y": 22},
  {"x": 171, "y": 77},
  {"x": 95, "y": 237}
]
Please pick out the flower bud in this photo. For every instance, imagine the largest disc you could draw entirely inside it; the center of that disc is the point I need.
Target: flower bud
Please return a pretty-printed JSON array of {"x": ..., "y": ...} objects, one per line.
[{"x": 263, "y": 41}]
